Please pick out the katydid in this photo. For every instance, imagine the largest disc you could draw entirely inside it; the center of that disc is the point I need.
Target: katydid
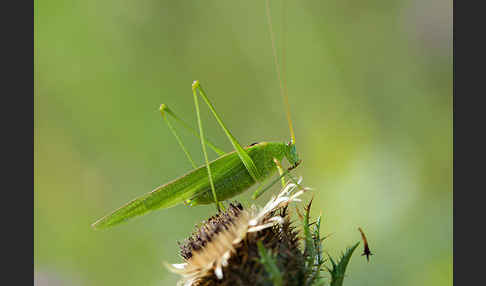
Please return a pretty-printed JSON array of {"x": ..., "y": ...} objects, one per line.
[{"x": 221, "y": 179}]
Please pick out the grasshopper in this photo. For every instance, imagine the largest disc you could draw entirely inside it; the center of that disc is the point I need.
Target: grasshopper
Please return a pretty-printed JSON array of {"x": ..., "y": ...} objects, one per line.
[{"x": 223, "y": 178}]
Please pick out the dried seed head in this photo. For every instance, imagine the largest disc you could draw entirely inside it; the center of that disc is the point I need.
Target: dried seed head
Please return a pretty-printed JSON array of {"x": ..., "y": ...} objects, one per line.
[
  {"x": 228, "y": 239},
  {"x": 226, "y": 226},
  {"x": 244, "y": 266}
]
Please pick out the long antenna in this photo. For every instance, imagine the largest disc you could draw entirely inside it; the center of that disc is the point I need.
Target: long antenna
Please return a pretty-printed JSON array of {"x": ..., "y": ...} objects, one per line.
[{"x": 283, "y": 86}]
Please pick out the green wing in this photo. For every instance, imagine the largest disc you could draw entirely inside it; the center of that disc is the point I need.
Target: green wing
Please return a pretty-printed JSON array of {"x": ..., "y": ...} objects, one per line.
[
  {"x": 186, "y": 187},
  {"x": 230, "y": 178}
]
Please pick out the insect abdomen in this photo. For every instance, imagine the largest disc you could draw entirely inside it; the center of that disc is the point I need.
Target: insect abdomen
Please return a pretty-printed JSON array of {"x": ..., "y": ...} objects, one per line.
[{"x": 235, "y": 178}]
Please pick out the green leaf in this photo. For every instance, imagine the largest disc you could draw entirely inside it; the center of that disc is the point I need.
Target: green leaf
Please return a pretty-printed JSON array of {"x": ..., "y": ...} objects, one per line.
[
  {"x": 337, "y": 271},
  {"x": 270, "y": 265},
  {"x": 309, "y": 245},
  {"x": 312, "y": 248}
]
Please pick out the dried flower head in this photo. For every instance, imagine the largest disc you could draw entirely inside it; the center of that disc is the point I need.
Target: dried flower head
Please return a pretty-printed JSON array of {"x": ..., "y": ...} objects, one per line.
[{"x": 222, "y": 236}]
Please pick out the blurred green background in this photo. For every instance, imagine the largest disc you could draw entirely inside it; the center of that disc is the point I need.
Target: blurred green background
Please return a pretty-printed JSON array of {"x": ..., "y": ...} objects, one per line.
[{"x": 370, "y": 88}]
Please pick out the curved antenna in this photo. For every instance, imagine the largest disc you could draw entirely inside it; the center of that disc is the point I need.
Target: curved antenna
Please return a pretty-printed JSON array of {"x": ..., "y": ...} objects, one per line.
[{"x": 283, "y": 87}]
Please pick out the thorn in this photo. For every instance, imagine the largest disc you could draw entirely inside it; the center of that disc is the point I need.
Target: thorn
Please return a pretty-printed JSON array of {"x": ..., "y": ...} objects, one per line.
[
  {"x": 325, "y": 237},
  {"x": 298, "y": 213}
]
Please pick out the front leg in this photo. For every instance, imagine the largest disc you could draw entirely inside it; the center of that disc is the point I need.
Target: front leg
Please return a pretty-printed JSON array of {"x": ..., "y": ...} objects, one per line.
[
  {"x": 258, "y": 192},
  {"x": 280, "y": 170}
]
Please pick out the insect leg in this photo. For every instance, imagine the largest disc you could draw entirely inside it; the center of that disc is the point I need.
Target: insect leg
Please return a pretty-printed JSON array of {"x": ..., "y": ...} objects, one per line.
[
  {"x": 280, "y": 170},
  {"x": 245, "y": 158},
  {"x": 258, "y": 192},
  {"x": 164, "y": 109},
  {"x": 201, "y": 133}
]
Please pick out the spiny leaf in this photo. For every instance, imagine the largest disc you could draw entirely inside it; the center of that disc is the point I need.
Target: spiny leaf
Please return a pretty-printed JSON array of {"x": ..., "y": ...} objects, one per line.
[
  {"x": 315, "y": 271},
  {"x": 312, "y": 248},
  {"x": 268, "y": 261},
  {"x": 309, "y": 247},
  {"x": 318, "y": 241},
  {"x": 337, "y": 271}
]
